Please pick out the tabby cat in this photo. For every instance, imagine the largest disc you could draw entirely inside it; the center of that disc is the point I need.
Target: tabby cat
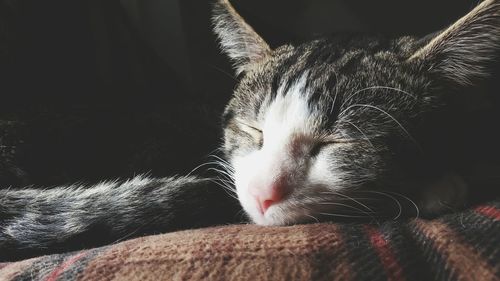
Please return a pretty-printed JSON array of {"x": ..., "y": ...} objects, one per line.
[{"x": 343, "y": 127}]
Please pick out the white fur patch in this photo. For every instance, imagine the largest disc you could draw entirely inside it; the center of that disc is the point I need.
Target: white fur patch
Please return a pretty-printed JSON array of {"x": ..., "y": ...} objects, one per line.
[{"x": 287, "y": 117}]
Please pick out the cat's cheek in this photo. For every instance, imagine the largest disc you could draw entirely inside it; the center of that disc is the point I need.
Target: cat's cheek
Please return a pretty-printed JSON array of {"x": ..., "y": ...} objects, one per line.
[
  {"x": 447, "y": 194},
  {"x": 322, "y": 171}
]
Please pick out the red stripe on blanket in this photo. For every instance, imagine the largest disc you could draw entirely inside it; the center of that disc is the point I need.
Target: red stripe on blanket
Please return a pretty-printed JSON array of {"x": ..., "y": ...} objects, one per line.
[
  {"x": 489, "y": 211},
  {"x": 61, "y": 268},
  {"x": 387, "y": 257}
]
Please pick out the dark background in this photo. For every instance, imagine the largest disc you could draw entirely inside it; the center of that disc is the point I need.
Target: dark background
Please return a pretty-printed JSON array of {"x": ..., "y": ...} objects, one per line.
[{"x": 97, "y": 89}]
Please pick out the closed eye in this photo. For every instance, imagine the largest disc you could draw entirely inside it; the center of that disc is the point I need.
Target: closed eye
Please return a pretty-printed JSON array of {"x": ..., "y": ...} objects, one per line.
[
  {"x": 328, "y": 141},
  {"x": 255, "y": 132},
  {"x": 251, "y": 127},
  {"x": 316, "y": 149}
]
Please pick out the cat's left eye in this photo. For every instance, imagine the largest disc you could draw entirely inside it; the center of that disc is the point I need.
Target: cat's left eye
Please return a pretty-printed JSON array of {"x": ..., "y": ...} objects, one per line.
[{"x": 326, "y": 142}]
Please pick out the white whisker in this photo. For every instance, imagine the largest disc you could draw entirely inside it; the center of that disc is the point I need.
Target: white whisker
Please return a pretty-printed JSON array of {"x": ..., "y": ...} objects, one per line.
[
  {"x": 364, "y": 135},
  {"x": 350, "y": 198},
  {"x": 393, "y": 198},
  {"x": 417, "y": 210},
  {"x": 379, "y": 87},
  {"x": 342, "y": 215},
  {"x": 343, "y": 205},
  {"x": 228, "y": 175},
  {"x": 313, "y": 217},
  {"x": 387, "y": 114},
  {"x": 198, "y": 167},
  {"x": 336, "y": 91},
  {"x": 229, "y": 192}
]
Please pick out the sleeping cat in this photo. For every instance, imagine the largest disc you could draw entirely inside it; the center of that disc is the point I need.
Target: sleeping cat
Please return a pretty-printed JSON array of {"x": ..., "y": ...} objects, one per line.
[{"x": 353, "y": 127}]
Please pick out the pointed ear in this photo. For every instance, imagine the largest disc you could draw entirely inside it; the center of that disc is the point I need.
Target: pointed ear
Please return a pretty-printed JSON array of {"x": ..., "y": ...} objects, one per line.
[
  {"x": 462, "y": 52},
  {"x": 238, "y": 39}
]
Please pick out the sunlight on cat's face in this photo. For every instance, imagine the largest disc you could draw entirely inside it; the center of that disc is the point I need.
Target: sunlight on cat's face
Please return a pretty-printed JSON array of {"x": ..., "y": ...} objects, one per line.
[
  {"x": 292, "y": 167},
  {"x": 331, "y": 128}
]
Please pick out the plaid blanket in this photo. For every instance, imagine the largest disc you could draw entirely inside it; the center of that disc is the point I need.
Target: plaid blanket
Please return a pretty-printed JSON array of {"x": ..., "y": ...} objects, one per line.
[{"x": 461, "y": 246}]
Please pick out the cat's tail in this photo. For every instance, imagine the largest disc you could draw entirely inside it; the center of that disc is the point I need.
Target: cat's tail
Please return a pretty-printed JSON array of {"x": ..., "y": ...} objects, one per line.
[{"x": 35, "y": 222}]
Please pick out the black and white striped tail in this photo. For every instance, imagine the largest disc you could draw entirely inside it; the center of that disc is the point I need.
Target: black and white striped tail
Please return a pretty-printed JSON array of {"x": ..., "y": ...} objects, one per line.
[{"x": 35, "y": 222}]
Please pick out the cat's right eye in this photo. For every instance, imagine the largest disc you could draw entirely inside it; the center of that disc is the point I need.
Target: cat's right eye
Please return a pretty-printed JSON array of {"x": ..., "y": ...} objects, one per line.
[
  {"x": 316, "y": 149},
  {"x": 253, "y": 131}
]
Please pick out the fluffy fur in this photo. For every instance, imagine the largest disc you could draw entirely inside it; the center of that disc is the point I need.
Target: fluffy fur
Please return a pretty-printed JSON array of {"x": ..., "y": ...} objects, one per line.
[
  {"x": 351, "y": 127},
  {"x": 34, "y": 221},
  {"x": 462, "y": 52}
]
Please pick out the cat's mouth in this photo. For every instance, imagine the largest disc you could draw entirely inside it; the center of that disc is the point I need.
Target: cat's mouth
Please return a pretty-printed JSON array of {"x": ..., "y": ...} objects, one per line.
[
  {"x": 297, "y": 206},
  {"x": 281, "y": 215},
  {"x": 374, "y": 207},
  {"x": 291, "y": 212}
]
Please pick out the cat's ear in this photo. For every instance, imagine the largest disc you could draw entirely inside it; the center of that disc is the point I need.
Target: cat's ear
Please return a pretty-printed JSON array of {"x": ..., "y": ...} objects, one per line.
[
  {"x": 462, "y": 52},
  {"x": 238, "y": 39}
]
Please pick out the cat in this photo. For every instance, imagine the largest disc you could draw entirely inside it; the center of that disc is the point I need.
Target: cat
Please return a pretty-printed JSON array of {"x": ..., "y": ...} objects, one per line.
[{"x": 342, "y": 127}]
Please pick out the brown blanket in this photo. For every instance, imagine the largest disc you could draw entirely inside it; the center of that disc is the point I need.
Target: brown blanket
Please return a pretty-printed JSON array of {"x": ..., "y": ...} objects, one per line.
[{"x": 462, "y": 246}]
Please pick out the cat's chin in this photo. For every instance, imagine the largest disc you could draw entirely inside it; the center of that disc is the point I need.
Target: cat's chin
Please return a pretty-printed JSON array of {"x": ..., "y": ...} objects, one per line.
[
  {"x": 267, "y": 222},
  {"x": 278, "y": 216},
  {"x": 270, "y": 218}
]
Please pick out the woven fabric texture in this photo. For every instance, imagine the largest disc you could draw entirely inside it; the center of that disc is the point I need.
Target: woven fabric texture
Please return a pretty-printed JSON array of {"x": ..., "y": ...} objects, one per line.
[{"x": 460, "y": 246}]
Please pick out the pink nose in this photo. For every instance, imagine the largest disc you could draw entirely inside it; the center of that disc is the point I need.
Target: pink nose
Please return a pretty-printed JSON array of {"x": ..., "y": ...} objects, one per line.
[{"x": 268, "y": 195}]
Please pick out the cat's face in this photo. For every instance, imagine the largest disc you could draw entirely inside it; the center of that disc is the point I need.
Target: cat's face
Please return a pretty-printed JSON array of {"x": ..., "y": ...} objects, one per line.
[
  {"x": 327, "y": 128},
  {"x": 316, "y": 120}
]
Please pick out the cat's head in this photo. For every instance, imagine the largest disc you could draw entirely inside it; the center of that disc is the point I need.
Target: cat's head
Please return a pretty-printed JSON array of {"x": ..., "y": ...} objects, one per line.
[{"x": 326, "y": 127}]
